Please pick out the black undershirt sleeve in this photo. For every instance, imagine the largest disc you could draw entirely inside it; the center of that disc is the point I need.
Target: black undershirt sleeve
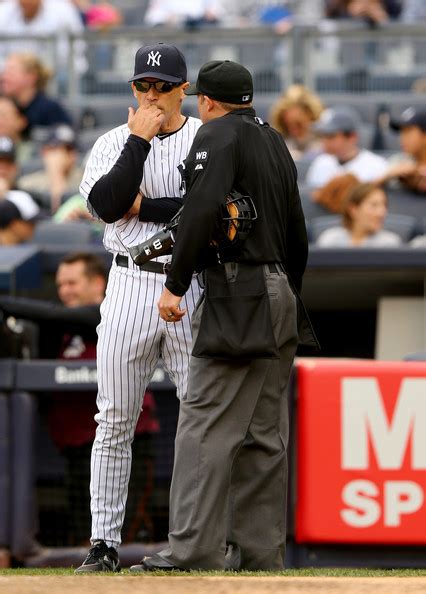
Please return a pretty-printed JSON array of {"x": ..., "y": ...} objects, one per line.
[
  {"x": 114, "y": 193},
  {"x": 159, "y": 210}
]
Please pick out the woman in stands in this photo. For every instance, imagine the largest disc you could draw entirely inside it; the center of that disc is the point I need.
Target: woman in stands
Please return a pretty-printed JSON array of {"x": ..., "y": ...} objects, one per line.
[
  {"x": 364, "y": 213},
  {"x": 24, "y": 78},
  {"x": 293, "y": 115}
]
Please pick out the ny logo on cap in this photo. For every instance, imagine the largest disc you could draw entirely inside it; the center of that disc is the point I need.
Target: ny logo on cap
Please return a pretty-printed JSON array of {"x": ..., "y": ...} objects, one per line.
[{"x": 153, "y": 59}]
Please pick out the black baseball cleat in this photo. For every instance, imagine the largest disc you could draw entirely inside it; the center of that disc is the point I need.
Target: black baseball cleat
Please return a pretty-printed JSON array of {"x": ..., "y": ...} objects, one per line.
[
  {"x": 100, "y": 558},
  {"x": 154, "y": 562}
]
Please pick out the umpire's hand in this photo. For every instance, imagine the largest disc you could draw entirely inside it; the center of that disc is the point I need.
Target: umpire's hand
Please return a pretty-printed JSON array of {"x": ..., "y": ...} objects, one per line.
[
  {"x": 169, "y": 308},
  {"x": 145, "y": 121}
]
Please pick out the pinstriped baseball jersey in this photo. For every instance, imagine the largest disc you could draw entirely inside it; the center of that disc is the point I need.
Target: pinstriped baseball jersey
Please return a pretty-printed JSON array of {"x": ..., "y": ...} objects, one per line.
[
  {"x": 131, "y": 335},
  {"x": 160, "y": 178}
]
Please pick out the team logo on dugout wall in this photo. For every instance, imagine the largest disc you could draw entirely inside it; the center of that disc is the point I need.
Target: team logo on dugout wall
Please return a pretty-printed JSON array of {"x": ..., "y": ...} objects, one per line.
[{"x": 361, "y": 452}]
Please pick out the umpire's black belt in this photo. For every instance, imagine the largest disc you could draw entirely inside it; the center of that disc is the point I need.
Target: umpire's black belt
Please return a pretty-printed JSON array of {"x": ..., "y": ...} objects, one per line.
[{"x": 157, "y": 267}]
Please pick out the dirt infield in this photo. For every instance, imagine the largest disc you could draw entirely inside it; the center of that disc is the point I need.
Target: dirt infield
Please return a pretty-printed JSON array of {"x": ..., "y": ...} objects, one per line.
[{"x": 208, "y": 585}]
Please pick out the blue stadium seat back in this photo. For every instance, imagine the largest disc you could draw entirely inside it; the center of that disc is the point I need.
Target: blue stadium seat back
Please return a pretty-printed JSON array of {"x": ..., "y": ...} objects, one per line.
[
  {"x": 133, "y": 16},
  {"x": 365, "y": 135},
  {"x": 401, "y": 201},
  {"x": 35, "y": 163},
  {"x": 263, "y": 104},
  {"x": 311, "y": 209},
  {"x": 72, "y": 233},
  {"x": 302, "y": 166},
  {"x": 391, "y": 141},
  {"x": 112, "y": 113},
  {"x": 88, "y": 137},
  {"x": 406, "y": 226},
  {"x": 320, "y": 224},
  {"x": 403, "y": 225}
]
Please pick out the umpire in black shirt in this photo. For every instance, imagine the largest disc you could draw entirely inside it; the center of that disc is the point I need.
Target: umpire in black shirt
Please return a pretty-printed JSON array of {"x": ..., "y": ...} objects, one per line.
[{"x": 230, "y": 473}]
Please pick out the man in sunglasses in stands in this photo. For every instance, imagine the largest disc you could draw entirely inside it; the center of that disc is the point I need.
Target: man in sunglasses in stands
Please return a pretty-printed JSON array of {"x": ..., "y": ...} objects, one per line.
[{"x": 132, "y": 183}]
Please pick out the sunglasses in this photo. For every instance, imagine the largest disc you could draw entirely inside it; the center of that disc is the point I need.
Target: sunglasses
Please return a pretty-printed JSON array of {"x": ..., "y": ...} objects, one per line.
[{"x": 160, "y": 86}]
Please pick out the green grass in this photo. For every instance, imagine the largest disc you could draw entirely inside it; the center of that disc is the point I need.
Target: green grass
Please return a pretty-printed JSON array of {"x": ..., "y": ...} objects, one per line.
[{"x": 306, "y": 572}]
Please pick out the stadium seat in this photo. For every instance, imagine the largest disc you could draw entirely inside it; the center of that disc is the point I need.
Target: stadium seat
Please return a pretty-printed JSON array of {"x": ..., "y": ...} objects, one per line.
[
  {"x": 311, "y": 209},
  {"x": 88, "y": 137},
  {"x": 302, "y": 166},
  {"x": 401, "y": 201},
  {"x": 79, "y": 233}
]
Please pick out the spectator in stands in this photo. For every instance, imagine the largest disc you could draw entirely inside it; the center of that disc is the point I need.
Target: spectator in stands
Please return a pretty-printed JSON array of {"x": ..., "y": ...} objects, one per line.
[
  {"x": 364, "y": 213},
  {"x": 19, "y": 211},
  {"x": 409, "y": 167},
  {"x": 374, "y": 12},
  {"x": 16, "y": 224},
  {"x": 186, "y": 13},
  {"x": 24, "y": 78},
  {"x": 61, "y": 173},
  {"x": 102, "y": 16},
  {"x": 38, "y": 17},
  {"x": 12, "y": 124},
  {"x": 293, "y": 115},
  {"x": 68, "y": 332},
  {"x": 342, "y": 155},
  {"x": 27, "y": 18}
]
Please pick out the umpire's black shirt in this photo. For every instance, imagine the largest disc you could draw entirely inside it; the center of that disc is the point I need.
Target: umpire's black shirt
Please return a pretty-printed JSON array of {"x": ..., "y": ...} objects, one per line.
[{"x": 238, "y": 151}]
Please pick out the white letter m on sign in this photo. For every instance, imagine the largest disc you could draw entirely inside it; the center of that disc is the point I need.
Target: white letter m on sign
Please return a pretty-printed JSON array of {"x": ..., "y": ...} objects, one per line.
[{"x": 364, "y": 416}]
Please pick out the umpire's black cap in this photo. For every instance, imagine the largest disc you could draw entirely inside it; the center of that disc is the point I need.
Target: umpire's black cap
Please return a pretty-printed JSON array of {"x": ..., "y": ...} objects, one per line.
[
  {"x": 160, "y": 60},
  {"x": 224, "y": 81}
]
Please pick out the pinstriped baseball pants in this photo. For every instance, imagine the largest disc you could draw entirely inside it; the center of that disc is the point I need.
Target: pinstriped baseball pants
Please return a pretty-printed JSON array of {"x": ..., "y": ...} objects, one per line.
[{"x": 131, "y": 339}]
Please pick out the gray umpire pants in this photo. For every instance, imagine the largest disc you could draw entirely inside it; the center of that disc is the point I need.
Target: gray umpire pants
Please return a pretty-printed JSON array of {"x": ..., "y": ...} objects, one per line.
[{"x": 221, "y": 489}]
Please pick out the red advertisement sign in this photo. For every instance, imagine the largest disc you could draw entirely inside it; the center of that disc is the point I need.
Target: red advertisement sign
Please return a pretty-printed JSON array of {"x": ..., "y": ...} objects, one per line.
[{"x": 361, "y": 452}]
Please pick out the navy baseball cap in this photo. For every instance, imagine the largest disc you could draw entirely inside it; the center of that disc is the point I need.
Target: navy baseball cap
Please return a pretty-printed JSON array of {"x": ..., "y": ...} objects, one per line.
[
  {"x": 56, "y": 135},
  {"x": 410, "y": 117},
  {"x": 223, "y": 80},
  {"x": 9, "y": 212},
  {"x": 160, "y": 60},
  {"x": 333, "y": 121}
]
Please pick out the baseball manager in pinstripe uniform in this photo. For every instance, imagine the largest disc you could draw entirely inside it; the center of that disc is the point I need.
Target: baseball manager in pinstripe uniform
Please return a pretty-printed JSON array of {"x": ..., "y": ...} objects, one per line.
[
  {"x": 133, "y": 184},
  {"x": 230, "y": 471}
]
